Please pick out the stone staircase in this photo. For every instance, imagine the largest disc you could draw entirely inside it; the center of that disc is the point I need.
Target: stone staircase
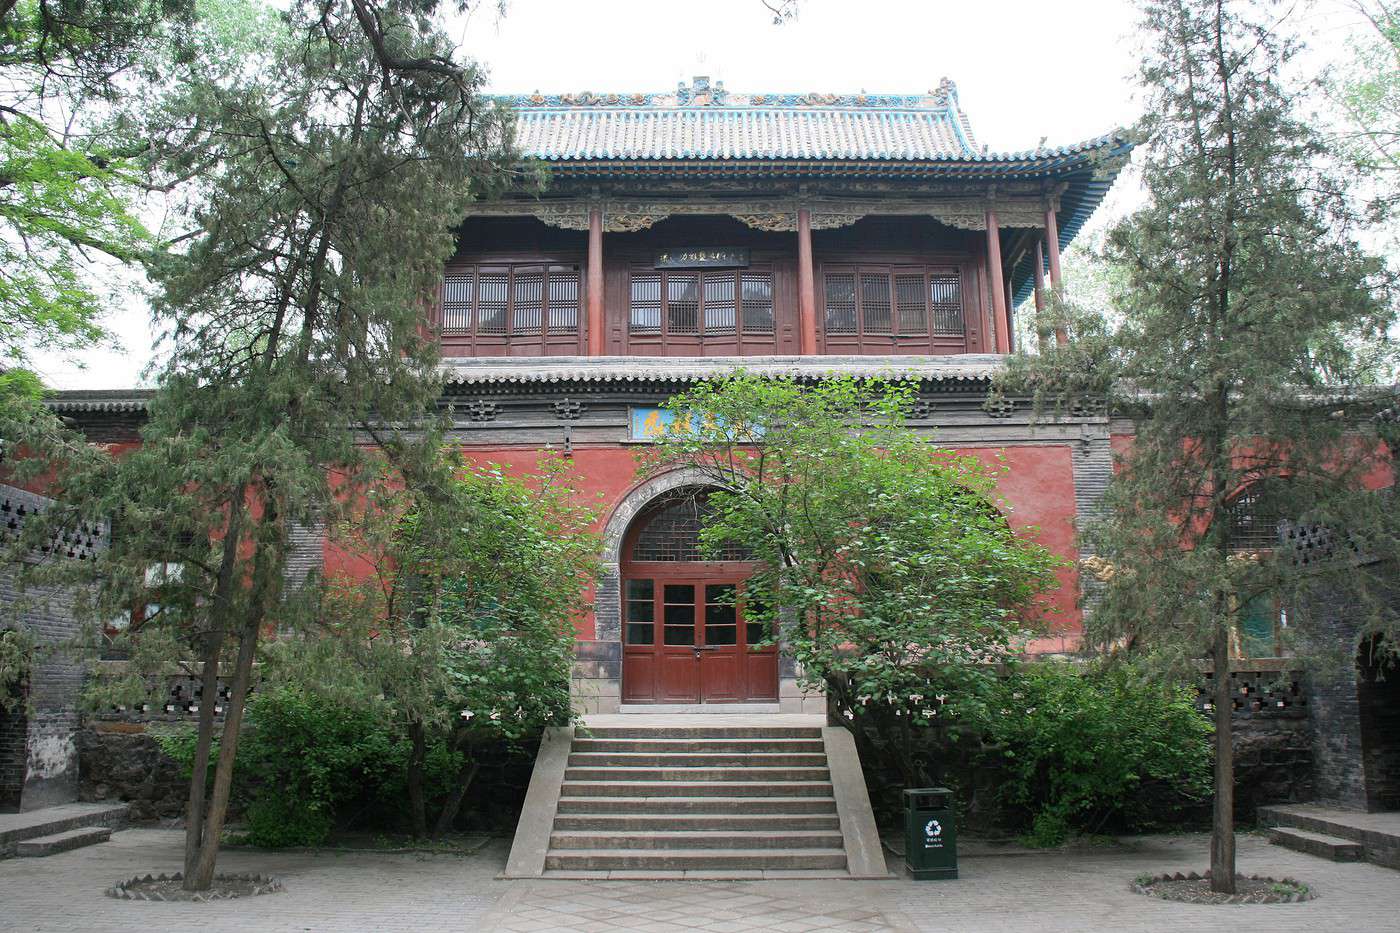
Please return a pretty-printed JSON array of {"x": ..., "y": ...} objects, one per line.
[
  {"x": 51, "y": 830},
  {"x": 700, "y": 801},
  {"x": 1338, "y": 835}
]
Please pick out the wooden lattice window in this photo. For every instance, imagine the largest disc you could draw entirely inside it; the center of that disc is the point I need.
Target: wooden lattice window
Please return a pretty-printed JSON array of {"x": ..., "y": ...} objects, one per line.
[
  {"x": 672, "y": 533},
  {"x": 511, "y": 300},
  {"x": 1254, "y": 516},
  {"x": 701, "y": 304},
  {"x": 894, "y": 301}
]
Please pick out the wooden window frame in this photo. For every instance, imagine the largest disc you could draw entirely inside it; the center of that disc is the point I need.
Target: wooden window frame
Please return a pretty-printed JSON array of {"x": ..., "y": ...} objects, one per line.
[
  {"x": 545, "y": 334},
  {"x": 896, "y": 335},
  {"x": 737, "y": 332}
]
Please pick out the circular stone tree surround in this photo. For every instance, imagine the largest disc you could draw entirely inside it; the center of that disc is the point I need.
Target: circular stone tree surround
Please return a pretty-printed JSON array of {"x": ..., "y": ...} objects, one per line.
[
  {"x": 1193, "y": 888},
  {"x": 171, "y": 887}
]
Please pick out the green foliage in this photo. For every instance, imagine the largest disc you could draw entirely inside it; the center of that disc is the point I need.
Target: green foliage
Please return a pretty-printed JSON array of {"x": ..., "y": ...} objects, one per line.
[
  {"x": 315, "y": 182},
  {"x": 883, "y": 558},
  {"x": 67, "y": 176},
  {"x": 461, "y": 634},
  {"x": 1249, "y": 343},
  {"x": 1081, "y": 750},
  {"x": 1366, "y": 88},
  {"x": 308, "y": 764},
  {"x": 16, "y": 657}
]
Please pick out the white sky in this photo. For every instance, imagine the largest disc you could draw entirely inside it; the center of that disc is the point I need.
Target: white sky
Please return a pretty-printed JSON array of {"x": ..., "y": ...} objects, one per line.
[{"x": 1025, "y": 69}]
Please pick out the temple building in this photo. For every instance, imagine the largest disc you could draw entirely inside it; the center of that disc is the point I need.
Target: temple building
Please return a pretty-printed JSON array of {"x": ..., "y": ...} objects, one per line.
[
  {"x": 685, "y": 234},
  {"x": 682, "y": 236}
]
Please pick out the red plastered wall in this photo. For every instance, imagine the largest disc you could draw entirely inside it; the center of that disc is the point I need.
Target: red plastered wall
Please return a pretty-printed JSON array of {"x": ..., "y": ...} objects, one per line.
[{"x": 1037, "y": 492}]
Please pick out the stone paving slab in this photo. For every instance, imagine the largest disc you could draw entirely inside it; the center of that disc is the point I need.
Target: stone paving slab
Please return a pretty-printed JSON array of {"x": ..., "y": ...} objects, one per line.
[{"x": 1055, "y": 892}]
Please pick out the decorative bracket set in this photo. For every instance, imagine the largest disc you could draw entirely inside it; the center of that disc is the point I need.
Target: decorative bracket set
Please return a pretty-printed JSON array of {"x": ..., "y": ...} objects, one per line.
[{"x": 774, "y": 216}]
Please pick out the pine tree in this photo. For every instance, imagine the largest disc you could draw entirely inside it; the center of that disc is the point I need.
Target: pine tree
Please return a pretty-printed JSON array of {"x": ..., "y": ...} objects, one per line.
[
  {"x": 1248, "y": 343},
  {"x": 321, "y": 173}
]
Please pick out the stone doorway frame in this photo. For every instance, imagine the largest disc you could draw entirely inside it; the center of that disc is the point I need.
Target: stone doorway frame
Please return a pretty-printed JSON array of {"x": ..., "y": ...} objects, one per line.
[{"x": 596, "y": 685}]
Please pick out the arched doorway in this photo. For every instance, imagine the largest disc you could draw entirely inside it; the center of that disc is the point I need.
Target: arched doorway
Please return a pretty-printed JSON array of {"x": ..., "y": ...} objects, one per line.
[
  {"x": 684, "y": 636},
  {"x": 1378, "y": 708}
]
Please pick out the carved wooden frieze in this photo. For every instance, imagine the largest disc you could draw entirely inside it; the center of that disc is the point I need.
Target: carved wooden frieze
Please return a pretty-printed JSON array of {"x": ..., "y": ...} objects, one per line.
[
  {"x": 565, "y": 216},
  {"x": 770, "y": 221},
  {"x": 774, "y": 216}
]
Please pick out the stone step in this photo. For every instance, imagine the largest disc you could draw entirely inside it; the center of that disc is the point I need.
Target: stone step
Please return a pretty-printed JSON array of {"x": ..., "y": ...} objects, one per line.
[
  {"x": 732, "y": 805},
  {"x": 691, "y": 760},
  {"x": 1372, "y": 829},
  {"x": 699, "y": 746},
  {"x": 704, "y": 732},
  {"x": 696, "y": 775},
  {"x": 772, "y": 823},
  {"x": 31, "y": 824},
  {"x": 41, "y": 846},
  {"x": 691, "y": 859},
  {"x": 1319, "y": 844},
  {"x": 638, "y": 838},
  {"x": 702, "y": 874},
  {"x": 679, "y": 788}
]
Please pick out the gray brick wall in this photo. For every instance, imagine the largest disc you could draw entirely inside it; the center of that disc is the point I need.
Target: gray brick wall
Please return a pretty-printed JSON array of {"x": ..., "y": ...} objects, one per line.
[
  {"x": 14, "y": 730},
  {"x": 56, "y": 677},
  {"x": 1092, "y": 462}
]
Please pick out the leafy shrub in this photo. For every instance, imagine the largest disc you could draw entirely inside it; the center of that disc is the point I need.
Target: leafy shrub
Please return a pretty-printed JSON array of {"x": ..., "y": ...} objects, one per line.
[
  {"x": 1046, "y": 750},
  {"x": 307, "y": 764},
  {"x": 1088, "y": 749}
]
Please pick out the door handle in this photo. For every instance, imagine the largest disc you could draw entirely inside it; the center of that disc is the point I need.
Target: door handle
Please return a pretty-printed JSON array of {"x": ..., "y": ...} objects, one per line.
[{"x": 699, "y": 648}]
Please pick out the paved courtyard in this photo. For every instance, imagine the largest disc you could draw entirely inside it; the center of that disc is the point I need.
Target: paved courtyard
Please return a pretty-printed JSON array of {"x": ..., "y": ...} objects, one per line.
[{"x": 363, "y": 892}]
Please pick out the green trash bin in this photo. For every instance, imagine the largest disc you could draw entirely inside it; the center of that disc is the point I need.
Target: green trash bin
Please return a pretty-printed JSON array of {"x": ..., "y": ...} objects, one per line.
[{"x": 930, "y": 833}]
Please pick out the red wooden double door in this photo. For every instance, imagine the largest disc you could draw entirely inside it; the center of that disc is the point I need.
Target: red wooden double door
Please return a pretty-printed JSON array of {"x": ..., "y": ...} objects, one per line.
[
  {"x": 685, "y": 640},
  {"x": 684, "y": 635}
]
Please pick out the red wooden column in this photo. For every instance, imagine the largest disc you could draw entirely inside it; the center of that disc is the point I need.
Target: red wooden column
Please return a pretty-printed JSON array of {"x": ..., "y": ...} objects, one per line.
[
  {"x": 595, "y": 281},
  {"x": 806, "y": 286},
  {"x": 1039, "y": 277},
  {"x": 1039, "y": 280},
  {"x": 995, "y": 279},
  {"x": 1052, "y": 249}
]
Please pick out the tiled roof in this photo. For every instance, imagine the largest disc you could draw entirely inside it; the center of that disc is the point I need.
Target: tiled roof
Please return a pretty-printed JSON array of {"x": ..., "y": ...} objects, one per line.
[
  {"x": 111, "y": 401},
  {"x": 968, "y": 367},
  {"x": 701, "y": 121}
]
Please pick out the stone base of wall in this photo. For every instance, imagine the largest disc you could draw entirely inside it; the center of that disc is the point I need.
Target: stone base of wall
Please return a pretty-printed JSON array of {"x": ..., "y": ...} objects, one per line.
[
  {"x": 123, "y": 762},
  {"x": 603, "y": 695},
  {"x": 793, "y": 699},
  {"x": 1273, "y": 764}
]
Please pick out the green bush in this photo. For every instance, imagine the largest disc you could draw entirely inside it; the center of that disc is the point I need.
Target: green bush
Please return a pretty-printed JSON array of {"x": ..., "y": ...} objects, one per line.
[
  {"x": 1091, "y": 749},
  {"x": 307, "y": 764}
]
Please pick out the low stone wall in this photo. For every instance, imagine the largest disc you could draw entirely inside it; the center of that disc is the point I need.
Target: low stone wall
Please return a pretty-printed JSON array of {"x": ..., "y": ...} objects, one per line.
[
  {"x": 1272, "y": 735},
  {"x": 124, "y": 762}
]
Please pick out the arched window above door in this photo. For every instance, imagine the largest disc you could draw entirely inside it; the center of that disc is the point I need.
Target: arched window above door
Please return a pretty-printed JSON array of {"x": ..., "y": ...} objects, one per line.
[
  {"x": 670, "y": 531},
  {"x": 1255, "y": 515}
]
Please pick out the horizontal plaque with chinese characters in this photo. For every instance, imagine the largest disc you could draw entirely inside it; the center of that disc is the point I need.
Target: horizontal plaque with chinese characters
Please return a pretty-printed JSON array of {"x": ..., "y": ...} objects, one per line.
[{"x": 696, "y": 257}]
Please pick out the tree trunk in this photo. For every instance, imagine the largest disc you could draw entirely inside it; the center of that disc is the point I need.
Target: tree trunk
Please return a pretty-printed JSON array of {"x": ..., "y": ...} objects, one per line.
[
  {"x": 203, "y": 874},
  {"x": 417, "y": 807},
  {"x": 194, "y": 808},
  {"x": 267, "y": 567},
  {"x": 209, "y": 679},
  {"x": 1222, "y": 835},
  {"x": 454, "y": 800}
]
